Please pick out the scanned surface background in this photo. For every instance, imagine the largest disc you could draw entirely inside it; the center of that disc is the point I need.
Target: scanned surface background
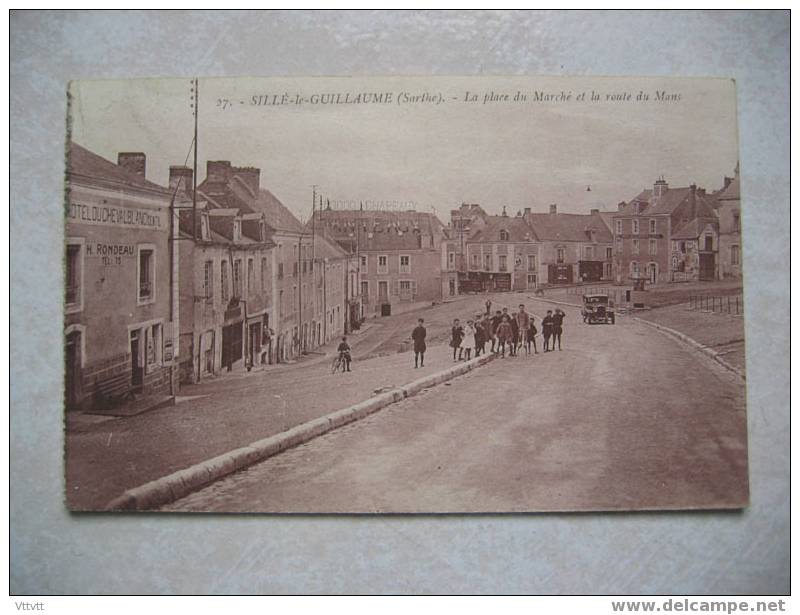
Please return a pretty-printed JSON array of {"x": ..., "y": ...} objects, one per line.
[{"x": 53, "y": 552}]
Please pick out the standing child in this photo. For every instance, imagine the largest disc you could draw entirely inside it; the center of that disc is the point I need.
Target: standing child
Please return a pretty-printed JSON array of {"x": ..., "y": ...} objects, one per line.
[
  {"x": 456, "y": 337},
  {"x": 531, "y": 339},
  {"x": 547, "y": 329},
  {"x": 503, "y": 335},
  {"x": 469, "y": 339},
  {"x": 480, "y": 339},
  {"x": 418, "y": 335}
]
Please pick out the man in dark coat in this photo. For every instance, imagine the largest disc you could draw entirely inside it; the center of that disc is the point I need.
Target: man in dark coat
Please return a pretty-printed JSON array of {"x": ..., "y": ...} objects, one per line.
[
  {"x": 456, "y": 337},
  {"x": 558, "y": 320},
  {"x": 514, "y": 334},
  {"x": 496, "y": 319},
  {"x": 547, "y": 329},
  {"x": 418, "y": 335}
]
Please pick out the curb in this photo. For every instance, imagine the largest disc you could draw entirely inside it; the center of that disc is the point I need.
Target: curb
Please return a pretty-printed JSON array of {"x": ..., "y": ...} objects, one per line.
[
  {"x": 694, "y": 344},
  {"x": 179, "y": 484}
]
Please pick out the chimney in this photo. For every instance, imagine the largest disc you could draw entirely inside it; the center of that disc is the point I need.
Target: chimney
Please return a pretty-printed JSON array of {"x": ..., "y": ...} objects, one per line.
[
  {"x": 621, "y": 206},
  {"x": 132, "y": 162},
  {"x": 180, "y": 180},
  {"x": 527, "y": 211},
  {"x": 553, "y": 208},
  {"x": 692, "y": 201},
  {"x": 251, "y": 176},
  {"x": 595, "y": 212},
  {"x": 726, "y": 181},
  {"x": 659, "y": 188},
  {"x": 218, "y": 170}
]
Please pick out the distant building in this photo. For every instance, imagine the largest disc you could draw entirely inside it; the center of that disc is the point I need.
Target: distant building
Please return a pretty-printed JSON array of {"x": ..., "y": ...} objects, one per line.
[
  {"x": 399, "y": 254},
  {"x": 120, "y": 312},
  {"x": 574, "y": 247},
  {"x": 729, "y": 211},
  {"x": 465, "y": 221},
  {"x": 645, "y": 227},
  {"x": 502, "y": 255}
]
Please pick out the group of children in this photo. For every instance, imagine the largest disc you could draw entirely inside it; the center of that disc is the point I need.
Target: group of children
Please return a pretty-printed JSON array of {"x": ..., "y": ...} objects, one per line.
[
  {"x": 513, "y": 331},
  {"x": 505, "y": 331}
]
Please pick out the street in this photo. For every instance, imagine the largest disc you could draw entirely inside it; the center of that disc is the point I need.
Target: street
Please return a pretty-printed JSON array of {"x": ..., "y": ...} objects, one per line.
[{"x": 622, "y": 418}]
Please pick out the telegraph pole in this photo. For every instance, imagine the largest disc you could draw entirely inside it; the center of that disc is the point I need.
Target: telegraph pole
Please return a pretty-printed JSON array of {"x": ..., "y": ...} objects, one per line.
[{"x": 195, "y": 106}]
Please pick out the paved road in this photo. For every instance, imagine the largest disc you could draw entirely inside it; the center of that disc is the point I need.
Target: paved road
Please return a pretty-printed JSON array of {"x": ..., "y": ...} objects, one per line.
[{"x": 623, "y": 418}]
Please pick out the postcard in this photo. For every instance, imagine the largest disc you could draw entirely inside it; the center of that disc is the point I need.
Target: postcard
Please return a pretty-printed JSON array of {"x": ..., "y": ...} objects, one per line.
[{"x": 403, "y": 295}]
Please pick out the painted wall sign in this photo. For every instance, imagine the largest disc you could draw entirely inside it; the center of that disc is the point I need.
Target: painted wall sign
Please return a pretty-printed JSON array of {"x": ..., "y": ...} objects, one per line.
[{"x": 108, "y": 215}]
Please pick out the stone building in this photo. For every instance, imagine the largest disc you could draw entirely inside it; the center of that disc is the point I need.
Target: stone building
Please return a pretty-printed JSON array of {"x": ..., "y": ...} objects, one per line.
[
  {"x": 729, "y": 212},
  {"x": 399, "y": 254},
  {"x": 574, "y": 247},
  {"x": 120, "y": 311},
  {"x": 502, "y": 255},
  {"x": 644, "y": 229},
  {"x": 226, "y": 281}
]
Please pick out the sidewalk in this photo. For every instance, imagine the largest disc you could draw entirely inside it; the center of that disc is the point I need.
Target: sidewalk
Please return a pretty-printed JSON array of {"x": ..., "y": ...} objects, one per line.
[{"x": 103, "y": 459}]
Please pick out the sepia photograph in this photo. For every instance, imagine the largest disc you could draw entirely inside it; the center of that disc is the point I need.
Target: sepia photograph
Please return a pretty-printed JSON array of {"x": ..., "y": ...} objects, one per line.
[{"x": 404, "y": 295}]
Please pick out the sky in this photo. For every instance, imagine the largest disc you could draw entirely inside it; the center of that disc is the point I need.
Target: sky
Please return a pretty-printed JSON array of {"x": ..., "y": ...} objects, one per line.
[{"x": 433, "y": 141}]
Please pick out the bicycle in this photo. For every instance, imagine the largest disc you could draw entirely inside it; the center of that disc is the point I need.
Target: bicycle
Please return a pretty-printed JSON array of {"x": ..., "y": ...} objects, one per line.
[{"x": 338, "y": 364}]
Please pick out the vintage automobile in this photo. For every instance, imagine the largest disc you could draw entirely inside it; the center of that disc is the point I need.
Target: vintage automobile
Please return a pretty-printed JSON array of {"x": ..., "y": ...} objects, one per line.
[{"x": 597, "y": 308}]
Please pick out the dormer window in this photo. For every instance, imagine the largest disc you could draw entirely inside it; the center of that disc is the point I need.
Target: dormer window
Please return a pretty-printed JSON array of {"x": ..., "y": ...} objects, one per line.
[
  {"x": 204, "y": 227},
  {"x": 237, "y": 230},
  {"x": 504, "y": 235},
  {"x": 262, "y": 230}
]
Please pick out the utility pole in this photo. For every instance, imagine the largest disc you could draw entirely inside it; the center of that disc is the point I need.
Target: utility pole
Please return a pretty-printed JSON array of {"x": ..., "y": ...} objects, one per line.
[{"x": 195, "y": 106}]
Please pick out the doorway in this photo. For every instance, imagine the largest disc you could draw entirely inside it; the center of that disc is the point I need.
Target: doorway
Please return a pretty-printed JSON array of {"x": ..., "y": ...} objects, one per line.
[
  {"x": 137, "y": 369},
  {"x": 383, "y": 292},
  {"x": 652, "y": 273},
  {"x": 72, "y": 376}
]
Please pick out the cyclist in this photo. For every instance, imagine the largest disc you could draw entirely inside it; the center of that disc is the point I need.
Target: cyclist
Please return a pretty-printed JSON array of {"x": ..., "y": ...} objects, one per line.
[{"x": 344, "y": 354}]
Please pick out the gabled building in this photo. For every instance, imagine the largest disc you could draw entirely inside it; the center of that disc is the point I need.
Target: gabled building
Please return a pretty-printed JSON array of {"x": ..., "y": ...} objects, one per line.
[
  {"x": 398, "y": 254},
  {"x": 226, "y": 281},
  {"x": 574, "y": 247},
  {"x": 503, "y": 255},
  {"x": 120, "y": 309},
  {"x": 729, "y": 212},
  {"x": 644, "y": 229},
  {"x": 465, "y": 221}
]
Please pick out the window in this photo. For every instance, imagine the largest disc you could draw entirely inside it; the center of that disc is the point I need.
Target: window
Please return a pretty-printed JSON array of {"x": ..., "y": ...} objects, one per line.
[
  {"x": 251, "y": 275},
  {"x": 405, "y": 264},
  {"x": 652, "y": 226},
  {"x": 635, "y": 268},
  {"x": 531, "y": 279},
  {"x": 365, "y": 290},
  {"x": 609, "y": 254},
  {"x": 405, "y": 285},
  {"x": 451, "y": 260},
  {"x": 619, "y": 227},
  {"x": 208, "y": 280},
  {"x": 74, "y": 276},
  {"x": 152, "y": 346},
  {"x": 502, "y": 262},
  {"x": 487, "y": 262},
  {"x": 383, "y": 264},
  {"x": 653, "y": 247},
  {"x": 280, "y": 261},
  {"x": 504, "y": 235},
  {"x": 295, "y": 298},
  {"x": 588, "y": 252},
  {"x": 531, "y": 262},
  {"x": 635, "y": 227},
  {"x": 683, "y": 247},
  {"x": 237, "y": 278},
  {"x": 147, "y": 291},
  {"x": 619, "y": 245},
  {"x": 635, "y": 248},
  {"x": 476, "y": 261},
  {"x": 263, "y": 274},
  {"x": 294, "y": 269},
  {"x": 734, "y": 255},
  {"x": 280, "y": 302},
  {"x": 560, "y": 255},
  {"x": 223, "y": 281},
  {"x": 736, "y": 222}
]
